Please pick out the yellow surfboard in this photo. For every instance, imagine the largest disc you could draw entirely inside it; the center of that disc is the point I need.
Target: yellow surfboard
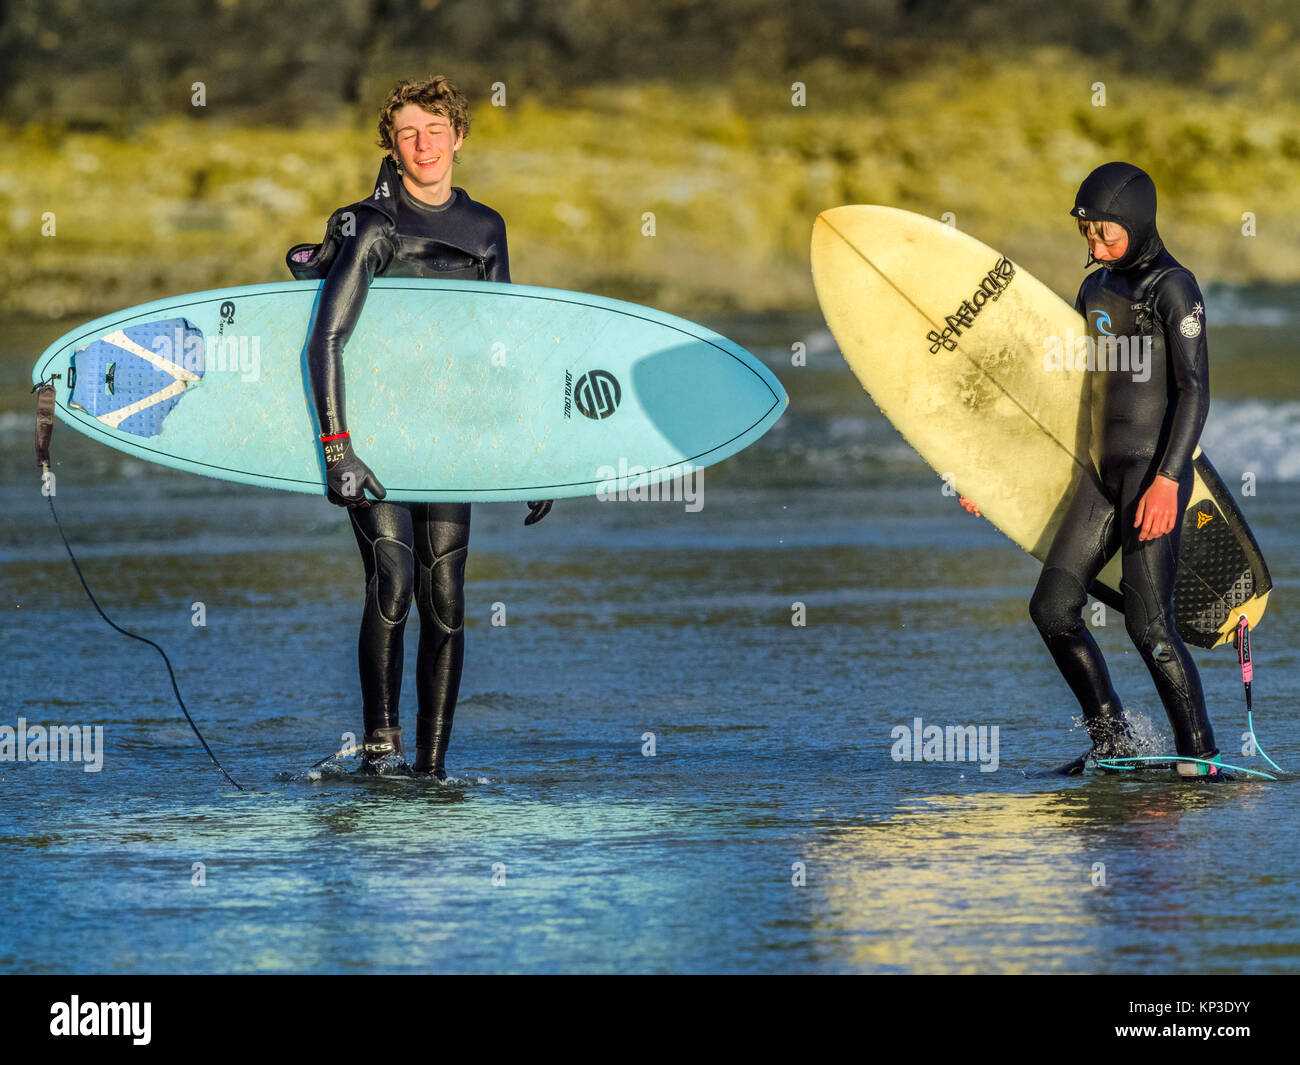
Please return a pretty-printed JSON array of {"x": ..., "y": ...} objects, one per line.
[{"x": 953, "y": 342}]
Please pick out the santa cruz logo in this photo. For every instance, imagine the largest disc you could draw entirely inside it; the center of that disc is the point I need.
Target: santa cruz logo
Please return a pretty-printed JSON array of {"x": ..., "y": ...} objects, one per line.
[{"x": 597, "y": 394}]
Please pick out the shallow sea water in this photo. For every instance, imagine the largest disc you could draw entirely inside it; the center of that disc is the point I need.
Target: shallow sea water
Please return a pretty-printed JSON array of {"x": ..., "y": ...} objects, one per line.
[{"x": 770, "y": 831}]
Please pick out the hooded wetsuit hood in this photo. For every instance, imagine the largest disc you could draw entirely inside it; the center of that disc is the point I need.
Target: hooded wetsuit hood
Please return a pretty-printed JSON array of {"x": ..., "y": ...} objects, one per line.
[{"x": 1123, "y": 193}]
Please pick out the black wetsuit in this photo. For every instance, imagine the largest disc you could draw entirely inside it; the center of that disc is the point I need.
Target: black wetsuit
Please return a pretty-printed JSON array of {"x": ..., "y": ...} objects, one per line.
[
  {"x": 410, "y": 550},
  {"x": 1148, "y": 427}
]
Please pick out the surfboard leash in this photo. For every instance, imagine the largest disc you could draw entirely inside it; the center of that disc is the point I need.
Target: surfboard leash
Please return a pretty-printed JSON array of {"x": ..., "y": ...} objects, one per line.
[
  {"x": 44, "y": 431},
  {"x": 342, "y": 752},
  {"x": 1240, "y": 639},
  {"x": 1174, "y": 759}
]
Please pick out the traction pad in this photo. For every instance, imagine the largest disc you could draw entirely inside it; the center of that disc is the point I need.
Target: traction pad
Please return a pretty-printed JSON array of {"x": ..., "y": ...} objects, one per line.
[{"x": 131, "y": 379}]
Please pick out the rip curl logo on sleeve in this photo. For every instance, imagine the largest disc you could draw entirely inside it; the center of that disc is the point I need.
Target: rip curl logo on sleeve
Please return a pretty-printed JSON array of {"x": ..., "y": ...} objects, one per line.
[
  {"x": 1190, "y": 326},
  {"x": 1102, "y": 322},
  {"x": 381, "y": 190}
]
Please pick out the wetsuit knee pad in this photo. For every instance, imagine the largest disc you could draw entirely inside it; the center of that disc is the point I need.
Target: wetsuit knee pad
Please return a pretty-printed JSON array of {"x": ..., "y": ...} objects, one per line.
[
  {"x": 394, "y": 579},
  {"x": 444, "y": 590},
  {"x": 1147, "y": 628},
  {"x": 1056, "y": 606}
]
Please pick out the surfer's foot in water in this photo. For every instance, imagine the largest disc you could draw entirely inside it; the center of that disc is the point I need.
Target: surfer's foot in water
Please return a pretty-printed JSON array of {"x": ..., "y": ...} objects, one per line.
[
  {"x": 1200, "y": 770},
  {"x": 1088, "y": 760},
  {"x": 1111, "y": 738},
  {"x": 382, "y": 755},
  {"x": 1116, "y": 742},
  {"x": 427, "y": 764},
  {"x": 1110, "y": 734}
]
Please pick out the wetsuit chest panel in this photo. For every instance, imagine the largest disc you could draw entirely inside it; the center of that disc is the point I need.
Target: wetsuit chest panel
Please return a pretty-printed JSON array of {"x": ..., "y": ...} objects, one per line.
[
  {"x": 1110, "y": 308},
  {"x": 391, "y": 234},
  {"x": 428, "y": 257},
  {"x": 1131, "y": 366},
  {"x": 455, "y": 240}
]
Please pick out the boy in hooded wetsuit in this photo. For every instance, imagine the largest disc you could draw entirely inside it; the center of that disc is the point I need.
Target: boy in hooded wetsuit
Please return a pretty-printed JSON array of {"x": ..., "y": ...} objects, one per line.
[
  {"x": 415, "y": 224},
  {"x": 1149, "y": 430}
]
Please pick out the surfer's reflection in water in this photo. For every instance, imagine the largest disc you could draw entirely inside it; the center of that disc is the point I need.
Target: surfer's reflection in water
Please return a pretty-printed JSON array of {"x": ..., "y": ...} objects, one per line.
[
  {"x": 1152, "y": 421},
  {"x": 415, "y": 224}
]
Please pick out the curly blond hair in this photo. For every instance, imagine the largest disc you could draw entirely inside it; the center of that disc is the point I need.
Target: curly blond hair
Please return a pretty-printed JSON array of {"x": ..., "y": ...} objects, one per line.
[{"x": 436, "y": 95}]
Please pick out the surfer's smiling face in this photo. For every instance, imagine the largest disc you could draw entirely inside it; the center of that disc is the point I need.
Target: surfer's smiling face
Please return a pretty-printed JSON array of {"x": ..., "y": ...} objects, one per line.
[
  {"x": 426, "y": 145},
  {"x": 1107, "y": 241}
]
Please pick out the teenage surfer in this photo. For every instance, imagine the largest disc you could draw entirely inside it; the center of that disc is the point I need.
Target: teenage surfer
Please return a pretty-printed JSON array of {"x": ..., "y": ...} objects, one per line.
[
  {"x": 1149, "y": 429},
  {"x": 415, "y": 224}
]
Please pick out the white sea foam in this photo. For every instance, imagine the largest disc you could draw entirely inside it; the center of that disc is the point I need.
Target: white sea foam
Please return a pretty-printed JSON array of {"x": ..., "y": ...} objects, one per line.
[
  {"x": 1252, "y": 436},
  {"x": 1225, "y": 305}
]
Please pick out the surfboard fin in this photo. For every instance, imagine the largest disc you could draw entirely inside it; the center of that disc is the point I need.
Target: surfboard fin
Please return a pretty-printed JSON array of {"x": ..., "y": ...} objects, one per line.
[{"x": 1073, "y": 768}]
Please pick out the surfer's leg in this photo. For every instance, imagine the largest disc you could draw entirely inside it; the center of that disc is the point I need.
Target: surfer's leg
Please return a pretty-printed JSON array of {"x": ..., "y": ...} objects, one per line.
[
  {"x": 383, "y": 532},
  {"x": 1148, "y": 586},
  {"x": 1086, "y": 539},
  {"x": 441, "y": 547}
]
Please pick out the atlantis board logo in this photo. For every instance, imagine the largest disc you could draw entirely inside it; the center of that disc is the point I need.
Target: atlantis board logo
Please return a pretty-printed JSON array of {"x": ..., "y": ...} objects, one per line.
[
  {"x": 991, "y": 288},
  {"x": 597, "y": 394}
]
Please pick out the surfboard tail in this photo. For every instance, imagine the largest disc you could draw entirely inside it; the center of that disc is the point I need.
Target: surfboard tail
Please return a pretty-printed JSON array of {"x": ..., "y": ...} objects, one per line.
[{"x": 1222, "y": 573}]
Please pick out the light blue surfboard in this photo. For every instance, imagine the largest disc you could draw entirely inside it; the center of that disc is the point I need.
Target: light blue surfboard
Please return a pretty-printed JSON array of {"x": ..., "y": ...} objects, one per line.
[{"x": 454, "y": 390}]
